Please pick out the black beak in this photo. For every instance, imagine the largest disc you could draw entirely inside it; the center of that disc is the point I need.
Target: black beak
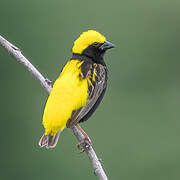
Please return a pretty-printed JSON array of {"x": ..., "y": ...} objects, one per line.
[{"x": 106, "y": 45}]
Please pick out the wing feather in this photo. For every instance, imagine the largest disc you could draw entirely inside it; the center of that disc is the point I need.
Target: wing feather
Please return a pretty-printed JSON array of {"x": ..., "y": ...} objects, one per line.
[{"x": 96, "y": 87}]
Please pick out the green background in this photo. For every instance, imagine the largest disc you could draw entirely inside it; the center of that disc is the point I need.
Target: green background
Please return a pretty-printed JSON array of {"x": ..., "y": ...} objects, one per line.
[{"x": 136, "y": 130}]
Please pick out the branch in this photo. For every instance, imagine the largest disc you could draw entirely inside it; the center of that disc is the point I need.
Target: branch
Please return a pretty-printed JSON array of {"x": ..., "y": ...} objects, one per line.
[{"x": 16, "y": 53}]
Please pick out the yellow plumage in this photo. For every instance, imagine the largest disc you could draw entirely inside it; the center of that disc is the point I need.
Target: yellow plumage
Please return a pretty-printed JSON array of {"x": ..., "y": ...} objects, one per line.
[
  {"x": 86, "y": 39},
  {"x": 70, "y": 90},
  {"x": 68, "y": 94}
]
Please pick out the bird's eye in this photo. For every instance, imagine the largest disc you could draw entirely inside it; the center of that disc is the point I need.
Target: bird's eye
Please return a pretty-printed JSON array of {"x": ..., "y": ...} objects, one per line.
[{"x": 96, "y": 44}]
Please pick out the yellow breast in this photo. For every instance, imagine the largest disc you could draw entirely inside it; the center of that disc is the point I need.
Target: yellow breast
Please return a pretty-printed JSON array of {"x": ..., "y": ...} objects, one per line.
[{"x": 68, "y": 94}]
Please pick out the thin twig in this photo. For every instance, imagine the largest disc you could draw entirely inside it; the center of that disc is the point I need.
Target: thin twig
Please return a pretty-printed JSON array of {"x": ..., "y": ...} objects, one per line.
[{"x": 16, "y": 53}]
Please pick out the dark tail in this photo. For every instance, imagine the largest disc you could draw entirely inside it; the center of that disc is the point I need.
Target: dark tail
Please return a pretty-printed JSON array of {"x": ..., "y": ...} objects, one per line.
[{"x": 49, "y": 141}]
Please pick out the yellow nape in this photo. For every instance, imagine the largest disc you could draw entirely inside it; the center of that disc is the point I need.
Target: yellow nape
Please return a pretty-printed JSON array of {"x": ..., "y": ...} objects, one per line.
[
  {"x": 86, "y": 39},
  {"x": 69, "y": 93}
]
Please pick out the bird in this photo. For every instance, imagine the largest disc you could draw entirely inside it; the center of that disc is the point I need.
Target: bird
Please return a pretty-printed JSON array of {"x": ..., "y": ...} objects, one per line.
[{"x": 79, "y": 89}]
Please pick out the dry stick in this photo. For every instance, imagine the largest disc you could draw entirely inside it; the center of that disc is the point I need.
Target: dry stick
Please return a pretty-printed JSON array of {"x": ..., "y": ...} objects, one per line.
[{"x": 16, "y": 52}]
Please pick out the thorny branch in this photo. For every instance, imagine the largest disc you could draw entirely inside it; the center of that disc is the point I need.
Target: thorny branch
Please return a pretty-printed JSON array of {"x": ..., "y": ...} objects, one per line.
[{"x": 16, "y": 53}]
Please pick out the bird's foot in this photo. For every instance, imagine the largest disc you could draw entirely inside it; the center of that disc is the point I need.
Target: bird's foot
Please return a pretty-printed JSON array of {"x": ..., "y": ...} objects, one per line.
[
  {"x": 86, "y": 141},
  {"x": 84, "y": 144}
]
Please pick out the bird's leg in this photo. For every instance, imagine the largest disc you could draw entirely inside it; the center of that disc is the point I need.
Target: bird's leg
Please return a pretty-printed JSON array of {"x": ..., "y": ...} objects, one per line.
[{"x": 86, "y": 139}]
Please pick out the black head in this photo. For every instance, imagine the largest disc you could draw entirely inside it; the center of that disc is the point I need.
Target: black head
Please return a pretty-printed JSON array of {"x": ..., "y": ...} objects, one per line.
[{"x": 97, "y": 50}]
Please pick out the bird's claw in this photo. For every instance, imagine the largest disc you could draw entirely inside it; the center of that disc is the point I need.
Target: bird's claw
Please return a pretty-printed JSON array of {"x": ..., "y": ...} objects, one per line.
[{"x": 79, "y": 147}]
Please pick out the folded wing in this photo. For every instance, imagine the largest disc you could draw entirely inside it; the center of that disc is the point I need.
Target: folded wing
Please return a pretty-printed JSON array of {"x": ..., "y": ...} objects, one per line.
[{"x": 96, "y": 75}]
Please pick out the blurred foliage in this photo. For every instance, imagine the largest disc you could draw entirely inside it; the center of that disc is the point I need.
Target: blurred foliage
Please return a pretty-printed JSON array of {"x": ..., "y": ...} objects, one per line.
[{"x": 136, "y": 130}]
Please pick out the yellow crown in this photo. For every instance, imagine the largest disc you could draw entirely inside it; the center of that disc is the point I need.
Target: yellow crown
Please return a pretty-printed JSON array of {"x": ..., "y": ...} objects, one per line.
[{"x": 86, "y": 39}]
